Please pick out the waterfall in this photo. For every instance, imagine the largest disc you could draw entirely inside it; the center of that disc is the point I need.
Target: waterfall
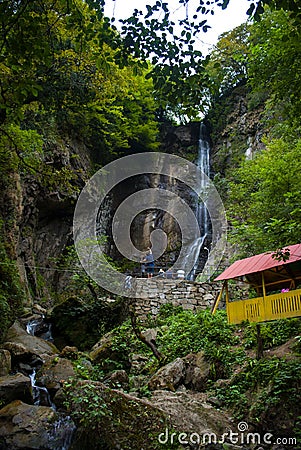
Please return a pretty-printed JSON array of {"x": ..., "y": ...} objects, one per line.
[
  {"x": 40, "y": 394},
  {"x": 203, "y": 163},
  {"x": 201, "y": 212},
  {"x": 32, "y": 325},
  {"x": 38, "y": 327},
  {"x": 62, "y": 433}
]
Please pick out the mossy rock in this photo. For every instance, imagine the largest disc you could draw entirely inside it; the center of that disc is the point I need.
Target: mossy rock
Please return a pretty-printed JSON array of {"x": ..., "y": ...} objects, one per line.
[{"x": 112, "y": 419}]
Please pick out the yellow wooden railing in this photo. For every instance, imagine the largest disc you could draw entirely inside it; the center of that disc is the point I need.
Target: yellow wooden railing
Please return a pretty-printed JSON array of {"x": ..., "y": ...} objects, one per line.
[{"x": 270, "y": 307}]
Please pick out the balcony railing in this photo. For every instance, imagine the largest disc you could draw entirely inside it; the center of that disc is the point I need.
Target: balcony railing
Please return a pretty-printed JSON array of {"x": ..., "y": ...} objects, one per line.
[{"x": 270, "y": 307}]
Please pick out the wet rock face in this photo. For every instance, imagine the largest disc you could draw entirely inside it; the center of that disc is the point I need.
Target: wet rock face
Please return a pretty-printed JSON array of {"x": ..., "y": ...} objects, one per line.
[
  {"x": 15, "y": 387},
  {"x": 28, "y": 419},
  {"x": 31, "y": 427},
  {"x": 24, "y": 347},
  {"x": 182, "y": 141},
  {"x": 54, "y": 373},
  {"x": 45, "y": 221}
]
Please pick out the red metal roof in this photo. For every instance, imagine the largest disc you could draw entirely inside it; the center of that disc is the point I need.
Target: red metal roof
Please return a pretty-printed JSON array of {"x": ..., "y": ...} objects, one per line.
[{"x": 259, "y": 263}]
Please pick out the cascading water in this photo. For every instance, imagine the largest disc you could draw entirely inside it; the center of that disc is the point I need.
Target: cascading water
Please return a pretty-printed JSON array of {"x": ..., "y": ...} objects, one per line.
[
  {"x": 38, "y": 327},
  {"x": 203, "y": 163},
  {"x": 62, "y": 430},
  {"x": 40, "y": 394}
]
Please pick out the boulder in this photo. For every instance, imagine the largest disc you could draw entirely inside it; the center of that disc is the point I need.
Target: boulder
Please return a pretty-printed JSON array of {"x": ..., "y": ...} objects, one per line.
[
  {"x": 138, "y": 363},
  {"x": 22, "y": 345},
  {"x": 197, "y": 371},
  {"x": 150, "y": 334},
  {"x": 104, "y": 353},
  {"x": 192, "y": 372},
  {"x": 118, "y": 380},
  {"x": 69, "y": 352},
  {"x": 38, "y": 309},
  {"x": 168, "y": 377},
  {"x": 15, "y": 349},
  {"x": 54, "y": 373},
  {"x": 5, "y": 362},
  {"x": 191, "y": 414},
  {"x": 15, "y": 387},
  {"x": 114, "y": 420},
  {"x": 122, "y": 421},
  {"x": 27, "y": 427},
  {"x": 102, "y": 349}
]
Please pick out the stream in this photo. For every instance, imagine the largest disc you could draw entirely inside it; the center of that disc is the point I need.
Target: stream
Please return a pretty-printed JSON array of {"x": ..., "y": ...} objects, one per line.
[{"x": 60, "y": 437}]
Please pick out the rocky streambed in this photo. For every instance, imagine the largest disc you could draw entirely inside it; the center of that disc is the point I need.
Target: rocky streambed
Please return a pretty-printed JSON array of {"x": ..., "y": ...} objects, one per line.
[
  {"x": 40, "y": 388},
  {"x": 29, "y": 418}
]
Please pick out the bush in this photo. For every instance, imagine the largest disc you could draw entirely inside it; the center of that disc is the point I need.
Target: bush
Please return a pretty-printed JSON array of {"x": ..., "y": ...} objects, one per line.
[
  {"x": 262, "y": 385},
  {"x": 185, "y": 332},
  {"x": 273, "y": 333}
]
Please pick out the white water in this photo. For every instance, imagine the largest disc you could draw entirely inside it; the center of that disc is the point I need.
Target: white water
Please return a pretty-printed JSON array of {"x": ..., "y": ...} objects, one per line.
[
  {"x": 62, "y": 430},
  {"x": 32, "y": 326},
  {"x": 39, "y": 393},
  {"x": 203, "y": 163},
  {"x": 62, "y": 433},
  {"x": 193, "y": 255}
]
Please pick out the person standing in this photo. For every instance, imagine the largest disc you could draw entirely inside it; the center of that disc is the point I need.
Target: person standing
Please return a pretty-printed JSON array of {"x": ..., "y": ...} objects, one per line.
[{"x": 149, "y": 263}]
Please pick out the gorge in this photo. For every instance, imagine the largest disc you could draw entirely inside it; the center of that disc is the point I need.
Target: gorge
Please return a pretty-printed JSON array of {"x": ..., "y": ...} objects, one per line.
[{"x": 89, "y": 367}]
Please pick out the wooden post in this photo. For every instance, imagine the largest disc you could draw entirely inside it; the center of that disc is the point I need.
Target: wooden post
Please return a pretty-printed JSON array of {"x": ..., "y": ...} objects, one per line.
[
  {"x": 217, "y": 299},
  {"x": 263, "y": 296},
  {"x": 263, "y": 285},
  {"x": 227, "y": 292},
  {"x": 259, "y": 349}
]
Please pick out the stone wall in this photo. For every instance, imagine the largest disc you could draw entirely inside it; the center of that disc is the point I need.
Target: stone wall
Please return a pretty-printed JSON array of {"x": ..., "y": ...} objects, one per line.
[{"x": 152, "y": 294}]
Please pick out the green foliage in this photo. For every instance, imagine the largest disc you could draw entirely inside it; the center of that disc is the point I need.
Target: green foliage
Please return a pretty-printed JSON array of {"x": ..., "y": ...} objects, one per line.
[
  {"x": 85, "y": 370},
  {"x": 125, "y": 343},
  {"x": 262, "y": 385},
  {"x": 111, "y": 419},
  {"x": 184, "y": 332},
  {"x": 227, "y": 66},
  {"x": 88, "y": 406},
  {"x": 264, "y": 212},
  {"x": 179, "y": 333},
  {"x": 273, "y": 333},
  {"x": 62, "y": 78},
  {"x": 274, "y": 48},
  {"x": 11, "y": 292},
  {"x": 261, "y": 195}
]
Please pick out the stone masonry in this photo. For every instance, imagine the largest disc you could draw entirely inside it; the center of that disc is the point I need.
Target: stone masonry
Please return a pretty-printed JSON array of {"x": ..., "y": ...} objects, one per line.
[{"x": 152, "y": 294}]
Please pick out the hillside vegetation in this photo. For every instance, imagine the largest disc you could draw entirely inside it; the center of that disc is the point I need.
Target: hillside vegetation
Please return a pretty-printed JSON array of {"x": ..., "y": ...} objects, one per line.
[{"x": 76, "y": 94}]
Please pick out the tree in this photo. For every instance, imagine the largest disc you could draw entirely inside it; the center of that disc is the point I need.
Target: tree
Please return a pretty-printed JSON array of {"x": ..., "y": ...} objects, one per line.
[
  {"x": 227, "y": 66},
  {"x": 58, "y": 73},
  {"x": 264, "y": 211},
  {"x": 274, "y": 67}
]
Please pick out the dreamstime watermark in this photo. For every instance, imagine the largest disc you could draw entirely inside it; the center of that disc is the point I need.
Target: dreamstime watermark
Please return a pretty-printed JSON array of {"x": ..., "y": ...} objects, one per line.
[
  {"x": 90, "y": 244},
  {"x": 240, "y": 437}
]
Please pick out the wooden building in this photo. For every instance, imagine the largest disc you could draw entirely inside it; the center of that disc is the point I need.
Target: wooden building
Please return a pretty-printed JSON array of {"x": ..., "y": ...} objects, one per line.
[{"x": 276, "y": 283}]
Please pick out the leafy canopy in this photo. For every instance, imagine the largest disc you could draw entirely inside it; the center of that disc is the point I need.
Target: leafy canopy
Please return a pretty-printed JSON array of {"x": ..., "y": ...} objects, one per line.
[{"x": 264, "y": 195}]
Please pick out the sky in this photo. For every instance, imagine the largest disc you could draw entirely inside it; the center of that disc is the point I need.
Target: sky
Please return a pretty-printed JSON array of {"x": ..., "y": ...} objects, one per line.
[{"x": 221, "y": 21}]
